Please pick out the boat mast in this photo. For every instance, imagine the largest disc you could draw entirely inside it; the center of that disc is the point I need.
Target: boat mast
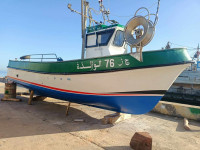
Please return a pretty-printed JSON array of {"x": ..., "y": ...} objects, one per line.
[
  {"x": 84, "y": 10},
  {"x": 198, "y": 53},
  {"x": 84, "y": 17}
]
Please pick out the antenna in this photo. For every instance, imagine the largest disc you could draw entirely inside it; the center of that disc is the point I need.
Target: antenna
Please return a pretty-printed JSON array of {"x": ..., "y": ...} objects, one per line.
[
  {"x": 72, "y": 10},
  {"x": 105, "y": 13}
]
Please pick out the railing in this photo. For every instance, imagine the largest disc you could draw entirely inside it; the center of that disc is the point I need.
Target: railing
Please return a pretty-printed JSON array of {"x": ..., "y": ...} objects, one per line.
[{"x": 42, "y": 57}]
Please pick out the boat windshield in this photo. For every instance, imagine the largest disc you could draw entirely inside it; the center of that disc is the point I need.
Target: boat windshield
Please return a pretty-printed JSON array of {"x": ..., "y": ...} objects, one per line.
[
  {"x": 101, "y": 38},
  {"x": 119, "y": 38}
]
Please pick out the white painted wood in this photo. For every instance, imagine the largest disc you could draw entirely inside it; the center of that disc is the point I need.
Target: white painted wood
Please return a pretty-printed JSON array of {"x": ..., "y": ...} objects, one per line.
[
  {"x": 91, "y": 40},
  {"x": 108, "y": 50},
  {"x": 159, "y": 78}
]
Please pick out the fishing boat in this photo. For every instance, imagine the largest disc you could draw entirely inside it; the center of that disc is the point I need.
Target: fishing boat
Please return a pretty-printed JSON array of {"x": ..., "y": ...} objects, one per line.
[
  {"x": 190, "y": 77},
  {"x": 185, "y": 88},
  {"x": 107, "y": 76}
]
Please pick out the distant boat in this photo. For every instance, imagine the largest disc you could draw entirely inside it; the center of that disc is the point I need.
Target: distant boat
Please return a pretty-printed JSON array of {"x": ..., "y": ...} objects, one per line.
[
  {"x": 186, "y": 88},
  {"x": 190, "y": 77},
  {"x": 109, "y": 77},
  {"x": 3, "y": 74}
]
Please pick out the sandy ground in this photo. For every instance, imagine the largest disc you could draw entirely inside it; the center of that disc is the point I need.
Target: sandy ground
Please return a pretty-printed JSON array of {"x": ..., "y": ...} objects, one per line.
[{"x": 44, "y": 125}]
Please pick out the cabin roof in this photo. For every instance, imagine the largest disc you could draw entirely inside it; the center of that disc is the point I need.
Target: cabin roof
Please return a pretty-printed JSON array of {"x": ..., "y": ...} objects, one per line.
[{"x": 100, "y": 27}]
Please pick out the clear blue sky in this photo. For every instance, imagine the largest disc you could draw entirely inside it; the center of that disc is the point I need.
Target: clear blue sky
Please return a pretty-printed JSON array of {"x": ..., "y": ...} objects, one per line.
[{"x": 47, "y": 26}]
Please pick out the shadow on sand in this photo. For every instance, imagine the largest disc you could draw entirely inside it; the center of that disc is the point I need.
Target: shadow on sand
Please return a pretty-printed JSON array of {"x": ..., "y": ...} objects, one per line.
[{"x": 19, "y": 119}]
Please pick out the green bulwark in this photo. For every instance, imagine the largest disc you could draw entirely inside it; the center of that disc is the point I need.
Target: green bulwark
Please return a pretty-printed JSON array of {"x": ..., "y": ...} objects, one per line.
[{"x": 106, "y": 64}]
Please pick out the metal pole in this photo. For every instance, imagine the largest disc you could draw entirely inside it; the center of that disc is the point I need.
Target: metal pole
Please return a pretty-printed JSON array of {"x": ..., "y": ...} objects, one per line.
[
  {"x": 31, "y": 98},
  {"x": 84, "y": 24},
  {"x": 82, "y": 29},
  {"x": 86, "y": 5},
  {"x": 198, "y": 53},
  {"x": 67, "y": 110},
  {"x": 82, "y": 3}
]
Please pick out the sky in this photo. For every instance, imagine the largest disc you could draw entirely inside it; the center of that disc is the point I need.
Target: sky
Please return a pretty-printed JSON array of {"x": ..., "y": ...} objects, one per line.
[{"x": 47, "y": 26}]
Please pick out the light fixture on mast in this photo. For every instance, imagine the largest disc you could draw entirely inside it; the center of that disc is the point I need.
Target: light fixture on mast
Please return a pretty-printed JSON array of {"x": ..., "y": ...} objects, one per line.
[{"x": 105, "y": 13}]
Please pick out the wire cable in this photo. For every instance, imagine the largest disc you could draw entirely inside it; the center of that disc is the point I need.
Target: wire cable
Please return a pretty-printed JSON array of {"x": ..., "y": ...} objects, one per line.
[{"x": 133, "y": 14}]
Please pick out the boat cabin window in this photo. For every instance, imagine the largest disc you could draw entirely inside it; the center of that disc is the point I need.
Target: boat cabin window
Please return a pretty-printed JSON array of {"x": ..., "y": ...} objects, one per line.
[
  {"x": 119, "y": 38},
  {"x": 91, "y": 40},
  {"x": 101, "y": 38}
]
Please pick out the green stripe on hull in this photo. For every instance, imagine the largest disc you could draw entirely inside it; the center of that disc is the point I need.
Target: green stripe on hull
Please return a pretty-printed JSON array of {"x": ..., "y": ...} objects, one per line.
[{"x": 110, "y": 63}]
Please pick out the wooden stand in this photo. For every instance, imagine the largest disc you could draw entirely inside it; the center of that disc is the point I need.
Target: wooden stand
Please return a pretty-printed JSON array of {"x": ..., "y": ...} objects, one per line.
[
  {"x": 67, "y": 110},
  {"x": 115, "y": 118},
  {"x": 186, "y": 124},
  {"x": 31, "y": 98}
]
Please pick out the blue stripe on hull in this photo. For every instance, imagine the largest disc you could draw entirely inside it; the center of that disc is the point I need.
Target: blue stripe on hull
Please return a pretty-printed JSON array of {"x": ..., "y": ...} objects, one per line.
[{"x": 124, "y": 104}]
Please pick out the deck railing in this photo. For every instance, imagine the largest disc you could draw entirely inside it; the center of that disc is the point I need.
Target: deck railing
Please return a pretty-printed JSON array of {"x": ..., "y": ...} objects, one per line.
[{"x": 41, "y": 57}]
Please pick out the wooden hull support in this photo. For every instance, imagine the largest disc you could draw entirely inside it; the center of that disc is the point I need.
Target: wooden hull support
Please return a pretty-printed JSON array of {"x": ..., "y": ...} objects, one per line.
[
  {"x": 67, "y": 110},
  {"x": 186, "y": 124},
  {"x": 31, "y": 98}
]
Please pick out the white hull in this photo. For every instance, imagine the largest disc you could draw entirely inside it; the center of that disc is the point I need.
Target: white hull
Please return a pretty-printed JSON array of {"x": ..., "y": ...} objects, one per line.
[{"x": 148, "y": 79}]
